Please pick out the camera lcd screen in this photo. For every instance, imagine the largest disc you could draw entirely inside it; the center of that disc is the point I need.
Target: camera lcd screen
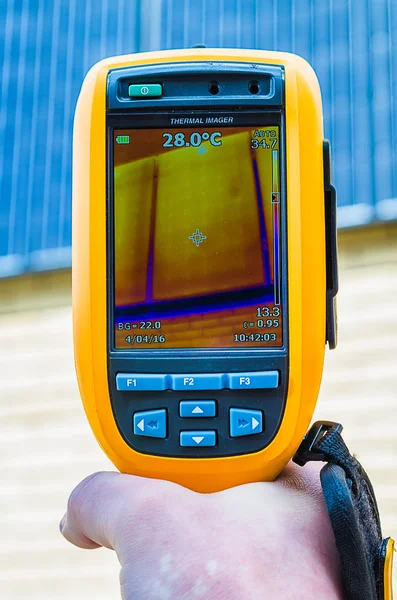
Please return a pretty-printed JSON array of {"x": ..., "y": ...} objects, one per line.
[{"x": 197, "y": 237}]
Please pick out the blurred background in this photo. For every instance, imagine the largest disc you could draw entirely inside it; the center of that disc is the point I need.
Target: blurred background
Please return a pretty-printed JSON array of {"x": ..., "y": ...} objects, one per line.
[{"x": 46, "y": 47}]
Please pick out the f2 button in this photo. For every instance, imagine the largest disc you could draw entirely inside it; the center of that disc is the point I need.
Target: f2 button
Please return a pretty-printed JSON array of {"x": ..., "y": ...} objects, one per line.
[{"x": 194, "y": 382}]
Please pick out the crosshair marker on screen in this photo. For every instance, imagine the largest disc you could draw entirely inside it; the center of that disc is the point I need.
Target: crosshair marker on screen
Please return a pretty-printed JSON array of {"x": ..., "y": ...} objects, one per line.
[{"x": 197, "y": 237}]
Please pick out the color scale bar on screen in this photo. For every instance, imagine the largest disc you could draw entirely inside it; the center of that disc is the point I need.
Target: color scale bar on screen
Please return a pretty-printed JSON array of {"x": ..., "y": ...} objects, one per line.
[{"x": 276, "y": 226}]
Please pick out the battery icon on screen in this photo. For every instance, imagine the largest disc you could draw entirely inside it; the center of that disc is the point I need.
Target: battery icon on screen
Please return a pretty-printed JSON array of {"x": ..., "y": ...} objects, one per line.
[{"x": 122, "y": 139}]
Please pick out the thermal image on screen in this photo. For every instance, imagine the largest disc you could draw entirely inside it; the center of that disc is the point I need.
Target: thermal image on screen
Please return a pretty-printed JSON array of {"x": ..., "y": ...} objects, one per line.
[{"x": 197, "y": 238}]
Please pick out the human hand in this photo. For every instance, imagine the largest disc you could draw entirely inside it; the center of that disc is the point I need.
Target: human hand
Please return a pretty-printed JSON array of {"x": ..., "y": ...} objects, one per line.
[{"x": 256, "y": 541}]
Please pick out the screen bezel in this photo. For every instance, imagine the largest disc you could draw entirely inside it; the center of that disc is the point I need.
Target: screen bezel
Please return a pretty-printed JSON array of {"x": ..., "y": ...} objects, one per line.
[{"x": 161, "y": 120}]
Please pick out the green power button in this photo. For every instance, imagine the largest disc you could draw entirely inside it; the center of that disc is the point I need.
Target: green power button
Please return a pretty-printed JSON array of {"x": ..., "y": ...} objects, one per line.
[{"x": 145, "y": 90}]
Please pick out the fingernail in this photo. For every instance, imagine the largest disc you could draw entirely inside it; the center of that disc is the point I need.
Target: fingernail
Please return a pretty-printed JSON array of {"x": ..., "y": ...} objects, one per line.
[{"x": 62, "y": 524}]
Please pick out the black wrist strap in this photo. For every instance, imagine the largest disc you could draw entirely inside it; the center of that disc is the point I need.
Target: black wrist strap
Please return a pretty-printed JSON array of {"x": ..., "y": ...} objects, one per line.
[{"x": 366, "y": 557}]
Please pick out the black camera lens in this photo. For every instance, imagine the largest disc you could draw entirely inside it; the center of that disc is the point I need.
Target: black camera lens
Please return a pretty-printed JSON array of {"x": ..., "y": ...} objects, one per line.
[
  {"x": 213, "y": 88},
  {"x": 253, "y": 87}
]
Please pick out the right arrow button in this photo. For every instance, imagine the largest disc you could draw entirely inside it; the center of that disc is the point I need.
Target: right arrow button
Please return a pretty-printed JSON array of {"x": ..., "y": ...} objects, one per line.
[
  {"x": 244, "y": 421},
  {"x": 254, "y": 423}
]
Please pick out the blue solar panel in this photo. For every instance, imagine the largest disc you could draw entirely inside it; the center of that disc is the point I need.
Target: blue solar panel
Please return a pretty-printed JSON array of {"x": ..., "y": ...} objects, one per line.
[{"x": 47, "y": 46}]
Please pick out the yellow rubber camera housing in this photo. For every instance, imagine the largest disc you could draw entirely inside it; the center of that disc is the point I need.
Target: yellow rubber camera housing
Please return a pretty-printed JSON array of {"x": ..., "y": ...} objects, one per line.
[{"x": 306, "y": 264}]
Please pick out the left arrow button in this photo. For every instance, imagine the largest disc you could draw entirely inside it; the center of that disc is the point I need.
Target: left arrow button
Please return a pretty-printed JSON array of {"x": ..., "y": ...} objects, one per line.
[{"x": 151, "y": 423}]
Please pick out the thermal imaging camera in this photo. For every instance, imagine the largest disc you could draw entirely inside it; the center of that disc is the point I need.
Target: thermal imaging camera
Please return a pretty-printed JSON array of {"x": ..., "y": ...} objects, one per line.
[{"x": 204, "y": 261}]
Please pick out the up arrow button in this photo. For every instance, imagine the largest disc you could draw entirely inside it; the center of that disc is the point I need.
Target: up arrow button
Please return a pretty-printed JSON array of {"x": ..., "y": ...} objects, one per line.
[
  {"x": 244, "y": 421},
  {"x": 197, "y": 408}
]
